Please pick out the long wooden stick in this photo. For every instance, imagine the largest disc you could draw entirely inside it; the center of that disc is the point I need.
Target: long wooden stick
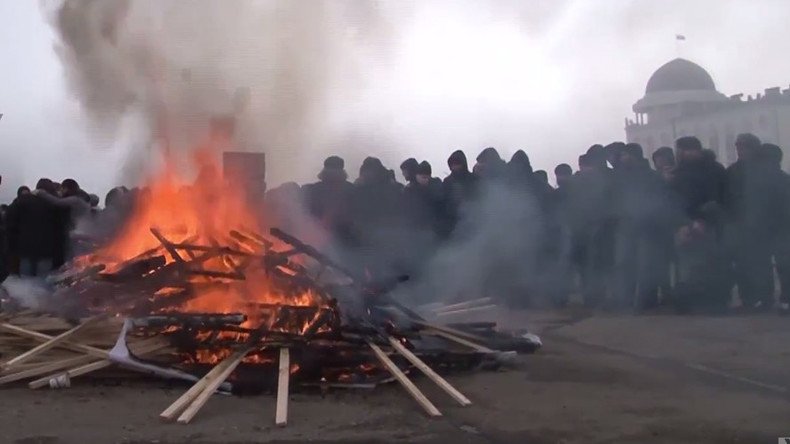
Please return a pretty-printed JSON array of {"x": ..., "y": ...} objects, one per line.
[
  {"x": 41, "y": 348},
  {"x": 211, "y": 387},
  {"x": 82, "y": 348},
  {"x": 465, "y": 304},
  {"x": 412, "y": 389},
  {"x": 441, "y": 382},
  {"x": 46, "y": 368},
  {"x": 462, "y": 341},
  {"x": 184, "y": 400},
  {"x": 93, "y": 366},
  {"x": 281, "y": 415},
  {"x": 450, "y": 330}
]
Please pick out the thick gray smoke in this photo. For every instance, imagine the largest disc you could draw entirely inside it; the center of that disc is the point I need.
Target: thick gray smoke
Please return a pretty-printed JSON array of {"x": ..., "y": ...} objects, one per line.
[{"x": 149, "y": 70}]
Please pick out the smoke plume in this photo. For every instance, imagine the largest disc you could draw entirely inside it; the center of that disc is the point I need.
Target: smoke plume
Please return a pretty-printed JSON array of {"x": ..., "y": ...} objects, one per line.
[{"x": 164, "y": 70}]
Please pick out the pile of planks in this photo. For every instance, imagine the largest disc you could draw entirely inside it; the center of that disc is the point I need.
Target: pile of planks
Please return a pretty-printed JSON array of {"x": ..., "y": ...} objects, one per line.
[{"x": 123, "y": 317}]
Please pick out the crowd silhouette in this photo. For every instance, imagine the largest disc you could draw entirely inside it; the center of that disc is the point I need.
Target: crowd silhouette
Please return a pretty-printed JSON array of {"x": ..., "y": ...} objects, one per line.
[{"x": 621, "y": 232}]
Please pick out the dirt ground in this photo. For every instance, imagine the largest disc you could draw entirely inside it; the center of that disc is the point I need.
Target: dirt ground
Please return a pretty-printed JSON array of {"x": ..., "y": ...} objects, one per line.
[{"x": 599, "y": 379}]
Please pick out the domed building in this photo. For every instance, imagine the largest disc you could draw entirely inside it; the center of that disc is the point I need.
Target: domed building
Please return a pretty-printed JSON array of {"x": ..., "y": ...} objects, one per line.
[{"x": 681, "y": 99}]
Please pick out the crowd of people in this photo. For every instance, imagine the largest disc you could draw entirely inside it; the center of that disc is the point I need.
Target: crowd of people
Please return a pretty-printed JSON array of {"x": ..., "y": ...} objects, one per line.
[{"x": 624, "y": 231}]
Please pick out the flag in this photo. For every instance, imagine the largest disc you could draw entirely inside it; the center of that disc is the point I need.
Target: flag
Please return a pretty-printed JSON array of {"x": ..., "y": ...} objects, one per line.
[{"x": 680, "y": 37}]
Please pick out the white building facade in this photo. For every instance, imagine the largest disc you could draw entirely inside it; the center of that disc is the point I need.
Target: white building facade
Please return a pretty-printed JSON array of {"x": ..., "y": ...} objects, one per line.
[{"x": 681, "y": 100}]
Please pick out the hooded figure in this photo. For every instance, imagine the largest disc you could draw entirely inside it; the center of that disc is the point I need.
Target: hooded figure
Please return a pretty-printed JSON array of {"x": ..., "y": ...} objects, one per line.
[
  {"x": 424, "y": 201},
  {"x": 490, "y": 165},
  {"x": 460, "y": 187},
  {"x": 329, "y": 200}
]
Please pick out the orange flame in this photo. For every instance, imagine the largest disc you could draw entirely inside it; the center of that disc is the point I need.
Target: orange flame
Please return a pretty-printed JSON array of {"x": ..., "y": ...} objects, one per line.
[{"x": 204, "y": 212}]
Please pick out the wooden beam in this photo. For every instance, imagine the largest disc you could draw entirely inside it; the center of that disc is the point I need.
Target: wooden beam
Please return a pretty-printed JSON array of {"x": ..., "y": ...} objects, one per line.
[
  {"x": 41, "y": 348},
  {"x": 441, "y": 382},
  {"x": 46, "y": 368},
  {"x": 82, "y": 348},
  {"x": 462, "y": 341},
  {"x": 184, "y": 400},
  {"x": 212, "y": 386},
  {"x": 167, "y": 244},
  {"x": 412, "y": 389},
  {"x": 143, "y": 349},
  {"x": 450, "y": 330},
  {"x": 281, "y": 416}
]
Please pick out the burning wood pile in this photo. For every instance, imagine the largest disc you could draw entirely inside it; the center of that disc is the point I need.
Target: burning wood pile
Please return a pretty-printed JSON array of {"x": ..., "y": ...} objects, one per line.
[{"x": 179, "y": 295}]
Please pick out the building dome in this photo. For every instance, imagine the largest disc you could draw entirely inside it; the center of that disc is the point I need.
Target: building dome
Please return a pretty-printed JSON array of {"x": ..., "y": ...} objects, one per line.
[{"x": 680, "y": 75}]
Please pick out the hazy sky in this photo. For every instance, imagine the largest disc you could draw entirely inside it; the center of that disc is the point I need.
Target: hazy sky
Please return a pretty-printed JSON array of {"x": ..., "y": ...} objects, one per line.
[{"x": 551, "y": 77}]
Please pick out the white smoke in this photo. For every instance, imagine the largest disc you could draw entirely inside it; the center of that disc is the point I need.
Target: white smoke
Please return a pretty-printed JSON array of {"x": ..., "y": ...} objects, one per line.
[{"x": 148, "y": 71}]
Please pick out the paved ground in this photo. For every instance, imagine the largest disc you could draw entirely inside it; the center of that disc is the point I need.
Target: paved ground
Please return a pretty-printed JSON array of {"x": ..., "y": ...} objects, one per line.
[{"x": 646, "y": 379}]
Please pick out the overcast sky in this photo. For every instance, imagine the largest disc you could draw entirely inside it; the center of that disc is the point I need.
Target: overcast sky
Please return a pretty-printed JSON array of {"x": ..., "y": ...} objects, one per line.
[{"x": 550, "y": 76}]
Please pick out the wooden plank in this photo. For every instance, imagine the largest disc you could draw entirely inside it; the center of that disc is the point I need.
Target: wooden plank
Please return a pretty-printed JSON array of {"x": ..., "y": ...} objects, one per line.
[
  {"x": 465, "y": 310},
  {"x": 465, "y": 304},
  {"x": 41, "y": 348},
  {"x": 46, "y": 368},
  {"x": 96, "y": 365},
  {"x": 441, "y": 382},
  {"x": 168, "y": 245},
  {"x": 182, "y": 402},
  {"x": 462, "y": 341},
  {"x": 452, "y": 331},
  {"x": 211, "y": 387},
  {"x": 281, "y": 416},
  {"x": 82, "y": 348},
  {"x": 404, "y": 381}
]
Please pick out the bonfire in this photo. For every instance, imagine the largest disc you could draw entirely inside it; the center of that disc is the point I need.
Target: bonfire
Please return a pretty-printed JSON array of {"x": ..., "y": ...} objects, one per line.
[{"x": 199, "y": 294}]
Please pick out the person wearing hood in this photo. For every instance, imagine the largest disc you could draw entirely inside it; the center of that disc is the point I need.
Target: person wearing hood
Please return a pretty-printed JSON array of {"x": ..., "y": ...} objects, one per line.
[
  {"x": 490, "y": 165},
  {"x": 329, "y": 200},
  {"x": 425, "y": 201},
  {"x": 460, "y": 188}
]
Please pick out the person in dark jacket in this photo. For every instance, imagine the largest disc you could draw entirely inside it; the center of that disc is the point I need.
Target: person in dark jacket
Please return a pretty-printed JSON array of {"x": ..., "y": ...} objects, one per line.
[
  {"x": 770, "y": 156},
  {"x": 642, "y": 203},
  {"x": 424, "y": 201},
  {"x": 703, "y": 274},
  {"x": 377, "y": 212},
  {"x": 329, "y": 200},
  {"x": 35, "y": 228},
  {"x": 589, "y": 214},
  {"x": 490, "y": 166},
  {"x": 751, "y": 201},
  {"x": 460, "y": 188},
  {"x": 409, "y": 170}
]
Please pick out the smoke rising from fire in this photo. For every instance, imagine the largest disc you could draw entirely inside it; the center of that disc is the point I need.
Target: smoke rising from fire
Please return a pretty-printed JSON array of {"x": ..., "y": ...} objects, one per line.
[{"x": 167, "y": 70}]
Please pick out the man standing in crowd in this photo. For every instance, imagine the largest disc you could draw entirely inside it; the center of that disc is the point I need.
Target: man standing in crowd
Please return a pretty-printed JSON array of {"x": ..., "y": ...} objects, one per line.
[
  {"x": 703, "y": 267},
  {"x": 35, "y": 229},
  {"x": 460, "y": 188},
  {"x": 329, "y": 200},
  {"x": 589, "y": 214},
  {"x": 751, "y": 203}
]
